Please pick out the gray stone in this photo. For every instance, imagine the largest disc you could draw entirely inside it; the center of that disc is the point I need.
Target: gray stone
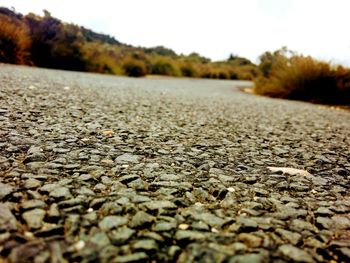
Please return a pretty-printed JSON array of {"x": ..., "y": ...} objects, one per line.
[
  {"x": 35, "y": 154},
  {"x": 110, "y": 222},
  {"x": 34, "y": 218},
  {"x": 164, "y": 226},
  {"x": 31, "y": 204},
  {"x": 246, "y": 224},
  {"x": 5, "y": 190},
  {"x": 209, "y": 219},
  {"x": 292, "y": 253},
  {"x": 61, "y": 193},
  {"x": 289, "y": 236},
  {"x": 324, "y": 211},
  {"x": 248, "y": 258},
  {"x": 159, "y": 204},
  {"x": 128, "y": 178},
  {"x": 131, "y": 258},
  {"x": 141, "y": 219},
  {"x": 8, "y": 221},
  {"x": 32, "y": 183},
  {"x": 324, "y": 222},
  {"x": 100, "y": 240},
  {"x": 121, "y": 235},
  {"x": 189, "y": 235},
  {"x": 146, "y": 245},
  {"x": 127, "y": 158}
]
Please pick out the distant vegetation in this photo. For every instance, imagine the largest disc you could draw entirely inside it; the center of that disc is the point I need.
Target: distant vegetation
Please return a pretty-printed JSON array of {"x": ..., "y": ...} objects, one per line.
[
  {"x": 284, "y": 74},
  {"x": 45, "y": 41}
]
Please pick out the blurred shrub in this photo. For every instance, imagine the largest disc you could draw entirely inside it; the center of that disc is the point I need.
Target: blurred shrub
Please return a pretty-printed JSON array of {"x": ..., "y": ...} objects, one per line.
[
  {"x": 55, "y": 44},
  {"x": 188, "y": 70},
  {"x": 164, "y": 66},
  {"x": 14, "y": 41},
  {"x": 134, "y": 68},
  {"x": 304, "y": 78}
]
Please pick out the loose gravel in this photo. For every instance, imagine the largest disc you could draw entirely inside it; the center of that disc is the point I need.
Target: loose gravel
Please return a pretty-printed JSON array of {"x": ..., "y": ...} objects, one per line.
[{"x": 98, "y": 168}]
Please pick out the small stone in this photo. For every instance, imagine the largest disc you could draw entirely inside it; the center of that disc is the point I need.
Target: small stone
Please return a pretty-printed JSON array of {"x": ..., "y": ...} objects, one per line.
[
  {"x": 324, "y": 222},
  {"x": 61, "y": 193},
  {"x": 127, "y": 158},
  {"x": 5, "y": 190},
  {"x": 53, "y": 212},
  {"x": 128, "y": 178},
  {"x": 31, "y": 204},
  {"x": 209, "y": 219},
  {"x": 248, "y": 258},
  {"x": 341, "y": 222},
  {"x": 110, "y": 222},
  {"x": 35, "y": 154},
  {"x": 100, "y": 240},
  {"x": 289, "y": 236},
  {"x": 246, "y": 224},
  {"x": 147, "y": 245},
  {"x": 164, "y": 226},
  {"x": 299, "y": 225},
  {"x": 184, "y": 226},
  {"x": 324, "y": 211},
  {"x": 32, "y": 183},
  {"x": 34, "y": 218},
  {"x": 159, "y": 204},
  {"x": 79, "y": 245},
  {"x": 231, "y": 189},
  {"x": 292, "y": 253},
  {"x": 141, "y": 219},
  {"x": 188, "y": 235},
  {"x": 8, "y": 221},
  {"x": 121, "y": 235},
  {"x": 131, "y": 258},
  {"x": 250, "y": 240}
]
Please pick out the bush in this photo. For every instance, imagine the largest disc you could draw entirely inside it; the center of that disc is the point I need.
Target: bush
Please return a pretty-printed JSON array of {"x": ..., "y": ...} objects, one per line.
[
  {"x": 304, "y": 78},
  {"x": 134, "y": 68},
  {"x": 14, "y": 41},
  {"x": 164, "y": 66},
  {"x": 188, "y": 70}
]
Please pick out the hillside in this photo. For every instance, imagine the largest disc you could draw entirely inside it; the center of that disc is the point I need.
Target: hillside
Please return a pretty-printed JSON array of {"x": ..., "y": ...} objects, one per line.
[{"x": 46, "y": 41}]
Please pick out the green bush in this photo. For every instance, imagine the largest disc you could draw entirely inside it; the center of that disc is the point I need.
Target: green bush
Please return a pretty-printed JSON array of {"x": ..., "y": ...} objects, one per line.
[{"x": 134, "y": 68}]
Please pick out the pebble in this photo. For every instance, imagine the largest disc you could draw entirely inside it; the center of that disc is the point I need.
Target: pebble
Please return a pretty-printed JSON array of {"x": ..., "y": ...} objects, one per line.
[
  {"x": 110, "y": 222},
  {"x": 141, "y": 219},
  {"x": 292, "y": 253},
  {"x": 8, "y": 221},
  {"x": 5, "y": 190},
  {"x": 34, "y": 218}
]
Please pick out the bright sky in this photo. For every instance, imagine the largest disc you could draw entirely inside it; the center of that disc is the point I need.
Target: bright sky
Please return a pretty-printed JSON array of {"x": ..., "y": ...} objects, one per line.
[{"x": 213, "y": 28}]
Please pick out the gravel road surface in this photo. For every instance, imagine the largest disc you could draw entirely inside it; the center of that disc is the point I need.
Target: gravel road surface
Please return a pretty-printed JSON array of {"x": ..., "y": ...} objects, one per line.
[{"x": 98, "y": 168}]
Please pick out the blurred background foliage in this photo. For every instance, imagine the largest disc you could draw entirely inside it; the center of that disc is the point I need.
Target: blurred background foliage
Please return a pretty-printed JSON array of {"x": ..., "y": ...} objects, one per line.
[{"x": 46, "y": 41}]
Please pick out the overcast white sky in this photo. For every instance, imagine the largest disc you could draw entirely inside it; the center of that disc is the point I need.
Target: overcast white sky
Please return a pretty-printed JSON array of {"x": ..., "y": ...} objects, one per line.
[{"x": 213, "y": 28}]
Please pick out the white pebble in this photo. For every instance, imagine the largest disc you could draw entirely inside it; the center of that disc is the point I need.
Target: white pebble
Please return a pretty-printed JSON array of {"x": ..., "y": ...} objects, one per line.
[
  {"x": 183, "y": 226},
  {"x": 79, "y": 245},
  {"x": 230, "y": 189}
]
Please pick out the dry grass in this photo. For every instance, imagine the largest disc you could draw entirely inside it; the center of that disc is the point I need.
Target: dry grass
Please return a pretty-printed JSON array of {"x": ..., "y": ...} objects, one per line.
[
  {"x": 304, "y": 78},
  {"x": 14, "y": 41}
]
